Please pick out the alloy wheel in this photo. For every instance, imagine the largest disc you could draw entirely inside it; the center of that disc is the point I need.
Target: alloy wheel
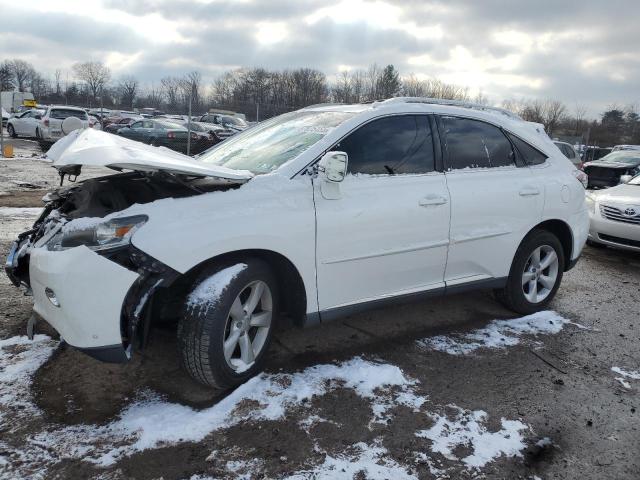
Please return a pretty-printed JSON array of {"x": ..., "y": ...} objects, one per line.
[
  {"x": 248, "y": 325},
  {"x": 540, "y": 274}
]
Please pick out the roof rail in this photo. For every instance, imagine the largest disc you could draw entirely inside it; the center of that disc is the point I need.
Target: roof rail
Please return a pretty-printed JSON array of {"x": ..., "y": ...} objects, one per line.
[{"x": 453, "y": 103}]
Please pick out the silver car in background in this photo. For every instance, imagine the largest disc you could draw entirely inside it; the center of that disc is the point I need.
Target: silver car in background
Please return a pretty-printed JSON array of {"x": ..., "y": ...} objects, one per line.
[{"x": 615, "y": 216}]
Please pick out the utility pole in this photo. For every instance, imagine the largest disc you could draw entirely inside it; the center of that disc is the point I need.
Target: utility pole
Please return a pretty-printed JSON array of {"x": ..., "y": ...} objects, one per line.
[
  {"x": 189, "y": 128},
  {"x": 257, "y": 112},
  {"x": 1, "y": 130}
]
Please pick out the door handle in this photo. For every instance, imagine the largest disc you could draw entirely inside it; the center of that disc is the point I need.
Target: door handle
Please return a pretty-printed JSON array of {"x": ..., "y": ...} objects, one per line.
[
  {"x": 432, "y": 200},
  {"x": 529, "y": 191}
]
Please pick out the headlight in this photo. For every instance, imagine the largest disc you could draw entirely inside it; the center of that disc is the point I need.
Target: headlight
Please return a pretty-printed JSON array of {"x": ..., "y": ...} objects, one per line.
[
  {"x": 113, "y": 233},
  {"x": 591, "y": 202}
]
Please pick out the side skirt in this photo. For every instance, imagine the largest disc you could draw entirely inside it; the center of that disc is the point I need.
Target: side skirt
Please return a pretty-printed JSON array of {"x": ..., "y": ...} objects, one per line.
[{"x": 315, "y": 318}]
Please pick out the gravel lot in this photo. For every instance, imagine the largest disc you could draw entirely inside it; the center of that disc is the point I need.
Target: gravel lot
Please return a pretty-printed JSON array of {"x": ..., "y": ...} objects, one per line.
[{"x": 402, "y": 392}]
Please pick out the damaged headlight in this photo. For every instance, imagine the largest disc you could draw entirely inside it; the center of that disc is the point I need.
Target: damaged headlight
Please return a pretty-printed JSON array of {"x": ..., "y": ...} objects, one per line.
[{"x": 97, "y": 235}]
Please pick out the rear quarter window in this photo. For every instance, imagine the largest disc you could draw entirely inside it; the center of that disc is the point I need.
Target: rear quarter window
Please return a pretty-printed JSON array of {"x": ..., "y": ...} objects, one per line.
[{"x": 530, "y": 155}]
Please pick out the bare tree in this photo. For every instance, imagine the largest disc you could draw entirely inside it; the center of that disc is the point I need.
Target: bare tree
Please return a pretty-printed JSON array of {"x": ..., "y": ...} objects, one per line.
[
  {"x": 171, "y": 88},
  {"x": 6, "y": 77},
  {"x": 128, "y": 89},
  {"x": 554, "y": 110},
  {"x": 191, "y": 88},
  {"x": 95, "y": 75},
  {"x": 22, "y": 72}
]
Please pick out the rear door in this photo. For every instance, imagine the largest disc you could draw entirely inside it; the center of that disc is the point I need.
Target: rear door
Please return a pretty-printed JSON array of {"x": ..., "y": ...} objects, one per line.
[
  {"x": 387, "y": 233},
  {"x": 495, "y": 199}
]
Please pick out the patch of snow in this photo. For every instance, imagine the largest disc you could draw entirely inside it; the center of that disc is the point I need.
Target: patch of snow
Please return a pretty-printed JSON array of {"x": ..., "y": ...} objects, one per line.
[
  {"x": 623, "y": 382},
  {"x": 371, "y": 461},
  {"x": 83, "y": 223},
  {"x": 153, "y": 421},
  {"x": 20, "y": 212},
  {"x": 497, "y": 334},
  {"x": 633, "y": 375},
  {"x": 19, "y": 359},
  {"x": 244, "y": 469},
  {"x": 209, "y": 290},
  {"x": 468, "y": 429}
]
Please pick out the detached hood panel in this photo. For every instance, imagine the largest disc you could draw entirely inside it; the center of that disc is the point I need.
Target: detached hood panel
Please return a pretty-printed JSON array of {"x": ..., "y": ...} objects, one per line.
[{"x": 101, "y": 149}]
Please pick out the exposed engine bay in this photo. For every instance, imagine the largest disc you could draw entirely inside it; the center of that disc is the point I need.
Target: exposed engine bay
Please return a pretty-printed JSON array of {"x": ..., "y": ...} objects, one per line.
[{"x": 101, "y": 196}]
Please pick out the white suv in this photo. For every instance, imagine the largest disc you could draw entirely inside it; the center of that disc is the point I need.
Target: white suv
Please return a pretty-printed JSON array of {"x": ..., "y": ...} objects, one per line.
[
  {"x": 51, "y": 126},
  {"x": 314, "y": 215}
]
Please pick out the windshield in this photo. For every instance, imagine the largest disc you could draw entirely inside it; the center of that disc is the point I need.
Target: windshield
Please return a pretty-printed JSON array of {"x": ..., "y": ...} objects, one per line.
[
  {"x": 274, "y": 142},
  {"x": 624, "y": 156}
]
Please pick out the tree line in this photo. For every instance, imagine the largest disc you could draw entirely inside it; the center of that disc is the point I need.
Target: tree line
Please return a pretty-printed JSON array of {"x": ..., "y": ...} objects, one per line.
[{"x": 262, "y": 93}]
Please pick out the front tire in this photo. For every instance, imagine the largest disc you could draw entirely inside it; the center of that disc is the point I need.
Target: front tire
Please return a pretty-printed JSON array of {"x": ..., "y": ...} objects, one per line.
[
  {"x": 11, "y": 131},
  {"x": 227, "y": 323},
  {"x": 535, "y": 275}
]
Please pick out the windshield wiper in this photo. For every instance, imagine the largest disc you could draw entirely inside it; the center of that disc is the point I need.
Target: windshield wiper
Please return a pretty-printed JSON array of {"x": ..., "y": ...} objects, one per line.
[{"x": 389, "y": 170}]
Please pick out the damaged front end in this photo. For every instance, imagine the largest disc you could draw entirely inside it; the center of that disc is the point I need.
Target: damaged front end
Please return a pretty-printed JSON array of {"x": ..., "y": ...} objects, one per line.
[{"x": 90, "y": 214}]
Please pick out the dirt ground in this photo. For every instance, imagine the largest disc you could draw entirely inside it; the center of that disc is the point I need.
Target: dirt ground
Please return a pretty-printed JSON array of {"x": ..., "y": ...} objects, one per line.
[{"x": 581, "y": 421}]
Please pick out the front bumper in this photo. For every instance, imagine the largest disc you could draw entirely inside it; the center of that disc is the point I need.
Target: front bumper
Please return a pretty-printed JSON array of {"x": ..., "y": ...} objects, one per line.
[
  {"x": 621, "y": 235},
  {"x": 90, "y": 291}
]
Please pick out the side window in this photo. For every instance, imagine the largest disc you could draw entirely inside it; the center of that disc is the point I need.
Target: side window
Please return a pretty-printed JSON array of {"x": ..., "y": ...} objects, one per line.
[
  {"x": 529, "y": 154},
  {"x": 147, "y": 124},
  {"x": 136, "y": 125},
  {"x": 475, "y": 144},
  {"x": 571, "y": 153},
  {"x": 391, "y": 145}
]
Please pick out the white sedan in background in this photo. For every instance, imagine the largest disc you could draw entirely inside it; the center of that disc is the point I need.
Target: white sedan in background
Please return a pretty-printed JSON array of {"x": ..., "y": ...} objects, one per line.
[
  {"x": 24, "y": 124},
  {"x": 615, "y": 216}
]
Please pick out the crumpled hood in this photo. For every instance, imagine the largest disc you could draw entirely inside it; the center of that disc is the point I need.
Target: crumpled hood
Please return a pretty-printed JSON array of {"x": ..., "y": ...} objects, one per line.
[
  {"x": 101, "y": 149},
  {"x": 597, "y": 163}
]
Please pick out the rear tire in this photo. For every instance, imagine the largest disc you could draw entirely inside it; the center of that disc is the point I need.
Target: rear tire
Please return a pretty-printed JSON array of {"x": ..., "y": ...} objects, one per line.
[
  {"x": 11, "y": 131},
  {"x": 227, "y": 323},
  {"x": 153, "y": 142},
  {"x": 535, "y": 275}
]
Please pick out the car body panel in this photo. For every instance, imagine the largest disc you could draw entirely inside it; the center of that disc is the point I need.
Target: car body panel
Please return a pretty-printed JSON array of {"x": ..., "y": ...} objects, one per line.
[
  {"x": 83, "y": 319},
  {"x": 95, "y": 148},
  {"x": 487, "y": 224},
  {"x": 394, "y": 245}
]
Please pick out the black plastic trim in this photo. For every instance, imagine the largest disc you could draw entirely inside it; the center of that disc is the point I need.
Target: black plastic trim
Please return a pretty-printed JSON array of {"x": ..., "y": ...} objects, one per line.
[
  {"x": 313, "y": 319},
  {"x": 108, "y": 353},
  {"x": 571, "y": 264}
]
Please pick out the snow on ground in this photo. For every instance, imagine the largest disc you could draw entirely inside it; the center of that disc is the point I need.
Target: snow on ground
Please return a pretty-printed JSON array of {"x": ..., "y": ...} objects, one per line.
[
  {"x": 467, "y": 428},
  {"x": 498, "y": 334},
  {"x": 632, "y": 375},
  {"x": 15, "y": 220},
  {"x": 150, "y": 421},
  {"x": 372, "y": 460}
]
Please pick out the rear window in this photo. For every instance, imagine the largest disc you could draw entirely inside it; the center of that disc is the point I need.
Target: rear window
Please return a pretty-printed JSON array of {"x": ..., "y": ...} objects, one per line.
[{"x": 62, "y": 113}]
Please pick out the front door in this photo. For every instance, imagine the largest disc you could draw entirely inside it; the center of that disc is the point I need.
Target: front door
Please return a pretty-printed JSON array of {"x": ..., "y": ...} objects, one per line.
[{"x": 387, "y": 233}]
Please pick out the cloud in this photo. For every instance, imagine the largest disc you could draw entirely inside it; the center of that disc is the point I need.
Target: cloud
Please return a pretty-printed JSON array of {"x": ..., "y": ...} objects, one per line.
[{"x": 575, "y": 51}]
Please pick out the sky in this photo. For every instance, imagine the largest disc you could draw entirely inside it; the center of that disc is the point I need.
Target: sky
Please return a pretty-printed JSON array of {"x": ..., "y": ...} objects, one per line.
[{"x": 584, "y": 53}]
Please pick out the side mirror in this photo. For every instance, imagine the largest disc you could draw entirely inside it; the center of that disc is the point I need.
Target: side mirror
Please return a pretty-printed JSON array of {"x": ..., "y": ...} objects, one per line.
[
  {"x": 625, "y": 178},
  {"x": 333, "y": 166}
]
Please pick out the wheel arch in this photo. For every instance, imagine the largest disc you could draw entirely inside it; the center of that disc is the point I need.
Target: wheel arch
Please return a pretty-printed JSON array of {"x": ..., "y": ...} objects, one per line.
[
  {"x": 292, "y": 291},
  {"x": 562, "y": 231}
]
